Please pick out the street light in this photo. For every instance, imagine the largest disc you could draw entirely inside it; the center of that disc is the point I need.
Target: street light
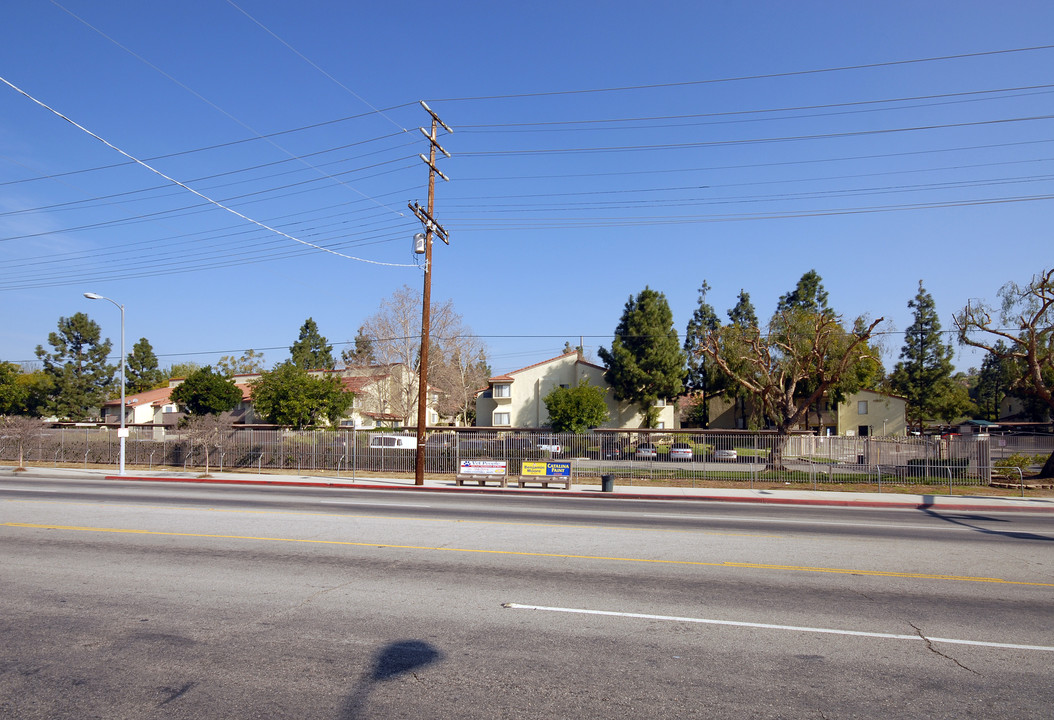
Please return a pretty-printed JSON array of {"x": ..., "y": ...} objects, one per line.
[{"x": 123, "y": 432}]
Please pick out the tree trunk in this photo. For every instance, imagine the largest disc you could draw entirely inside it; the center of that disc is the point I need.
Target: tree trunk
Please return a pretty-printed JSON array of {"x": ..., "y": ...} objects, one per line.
[{"x": 1048, "y": 468}]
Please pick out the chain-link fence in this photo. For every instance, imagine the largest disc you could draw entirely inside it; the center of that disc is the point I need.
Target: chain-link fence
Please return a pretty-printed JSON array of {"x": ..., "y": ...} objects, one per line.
[{"x": 683, "y": 457}]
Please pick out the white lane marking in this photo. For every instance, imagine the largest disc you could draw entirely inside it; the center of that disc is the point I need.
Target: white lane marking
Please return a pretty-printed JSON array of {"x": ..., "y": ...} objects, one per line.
[
  {"x": 769, "y": 626},
  {"x": 11, "y": 489},
  {"x": 364, "y": 502}
]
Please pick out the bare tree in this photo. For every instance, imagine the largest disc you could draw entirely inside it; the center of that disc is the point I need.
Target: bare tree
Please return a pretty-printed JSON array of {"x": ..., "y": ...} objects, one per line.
[
  {"x": 22, "y": 430},
  {"x": 459, "y": 373},
  {"x": 805, "y": 355},
  {"x": 1025, "y": 324},
  {"x": 211, "y": 432},
  {"x": 394, "y": 338}
]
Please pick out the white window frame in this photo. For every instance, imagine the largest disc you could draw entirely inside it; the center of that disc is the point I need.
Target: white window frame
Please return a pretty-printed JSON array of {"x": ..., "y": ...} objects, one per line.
[
  {"x": 498, "y": 417},
  {"x": 502, "y": 390},
  {"x": 861, "y": 407}
]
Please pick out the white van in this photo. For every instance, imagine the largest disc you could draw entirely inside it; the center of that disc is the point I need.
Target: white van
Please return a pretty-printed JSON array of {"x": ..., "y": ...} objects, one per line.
[{"x": 393, "y": 442}]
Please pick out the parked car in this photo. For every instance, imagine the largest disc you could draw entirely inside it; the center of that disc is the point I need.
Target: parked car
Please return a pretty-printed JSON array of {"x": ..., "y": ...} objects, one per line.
[
  {"x": 726, "y": 455},
  {"x": 613, "y": 449},
  {"x": 646, "y": 451},
  {"x": 681, "y": 451},
  {"x": 550, "y": 444},
  {"x": 393, "y": 442}
]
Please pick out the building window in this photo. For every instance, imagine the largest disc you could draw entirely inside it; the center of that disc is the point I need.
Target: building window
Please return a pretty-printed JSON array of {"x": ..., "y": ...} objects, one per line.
[
  {"x": 861, "y": 407},
  {"x": 661, "y": 402},
  {"x": 501, "y": 418},
  {"x": 503, "y": 391}
]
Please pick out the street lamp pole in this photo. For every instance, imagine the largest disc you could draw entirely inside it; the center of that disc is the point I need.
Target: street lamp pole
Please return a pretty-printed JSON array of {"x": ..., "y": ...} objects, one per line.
[{"x": 123, "y": 432}]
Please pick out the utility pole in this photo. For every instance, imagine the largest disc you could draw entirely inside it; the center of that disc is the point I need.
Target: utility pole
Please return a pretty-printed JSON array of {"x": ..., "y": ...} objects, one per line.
[{"x": 427, "y": 218}]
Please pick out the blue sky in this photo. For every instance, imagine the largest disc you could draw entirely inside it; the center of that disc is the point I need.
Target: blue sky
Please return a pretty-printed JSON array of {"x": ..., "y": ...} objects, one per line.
[{"x": 598, "y": 148}]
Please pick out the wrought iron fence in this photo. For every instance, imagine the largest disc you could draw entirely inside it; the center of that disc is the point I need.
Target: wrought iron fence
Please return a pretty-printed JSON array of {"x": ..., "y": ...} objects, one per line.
[{"x": 681, "y": 456}]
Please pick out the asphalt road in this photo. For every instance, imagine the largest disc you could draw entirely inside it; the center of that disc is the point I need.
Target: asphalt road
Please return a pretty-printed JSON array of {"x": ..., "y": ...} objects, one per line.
[{"x": 140, "y": 601}]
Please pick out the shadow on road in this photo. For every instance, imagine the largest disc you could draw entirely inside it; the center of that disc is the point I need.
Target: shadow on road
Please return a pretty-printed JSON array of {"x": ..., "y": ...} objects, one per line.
[
  {"x": 963, "y": 521},
  {"x": 392, "y": 660}
]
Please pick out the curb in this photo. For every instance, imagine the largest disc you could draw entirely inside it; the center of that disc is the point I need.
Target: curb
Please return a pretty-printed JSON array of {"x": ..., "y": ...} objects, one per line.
[{"x": 882, "y": 504}]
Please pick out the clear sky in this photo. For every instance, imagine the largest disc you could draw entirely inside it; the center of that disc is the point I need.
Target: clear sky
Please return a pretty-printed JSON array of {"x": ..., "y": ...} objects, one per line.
[{"x": 599, "y": 147}]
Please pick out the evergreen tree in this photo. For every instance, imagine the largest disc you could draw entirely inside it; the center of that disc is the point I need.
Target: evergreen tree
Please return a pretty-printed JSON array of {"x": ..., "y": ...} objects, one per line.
[
  {"x": 362, "y": 354},
  {"x": 311, "y": 351},
  {"x": 77, "y": 368},
  {"x": 702, "y": 377},
  {"x": 207, "y": 393},
  {"x": 994, "y": 382},
  {"x": 645, "y": 362},
  {"x": 808, "y": 294},
  {"x": 923, "y": 375},
  {"x": 743, "y": 314},
  {"x": 141, "y": 368}
]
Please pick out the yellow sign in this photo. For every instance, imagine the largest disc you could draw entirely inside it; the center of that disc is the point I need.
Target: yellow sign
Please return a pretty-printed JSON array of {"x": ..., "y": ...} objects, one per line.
[{"x": 545, "y": 469}]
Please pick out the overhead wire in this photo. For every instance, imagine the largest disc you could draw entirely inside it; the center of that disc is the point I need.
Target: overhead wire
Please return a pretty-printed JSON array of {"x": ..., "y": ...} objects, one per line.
[
  {"x": 210, "y": 103},
  {"x": 187, "y": 187},
  {"x": 741, "y": 78}
]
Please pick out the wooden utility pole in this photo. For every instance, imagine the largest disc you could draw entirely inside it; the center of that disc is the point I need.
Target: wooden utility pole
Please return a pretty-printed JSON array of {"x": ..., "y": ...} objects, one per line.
[{"x": 427, "y": 218}]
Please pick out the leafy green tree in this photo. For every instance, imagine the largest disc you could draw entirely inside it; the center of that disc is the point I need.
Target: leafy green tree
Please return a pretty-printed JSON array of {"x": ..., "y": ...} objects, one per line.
[
  {"x": 742, "y": 314},
  {"x": 12, "y": 394},
  {"x": 77, "y": 368},
  {"x": 576, "y": 409},
  {"x": 311, "y": 351},
  {"x": 923, "y": 375},
  {"x": 995, "y": 381},
  {"x": 205, "y": 392},
  {"x": 249, "y": 363},
  {"x": 807, "y": 295},
  {"x": 141, "y": 368},
  {"x": 180, "y": 370},
  {"x": 645, "y": 362},
  {"x": 955, "y": 404},
  {"x": 289, "y": 395}
]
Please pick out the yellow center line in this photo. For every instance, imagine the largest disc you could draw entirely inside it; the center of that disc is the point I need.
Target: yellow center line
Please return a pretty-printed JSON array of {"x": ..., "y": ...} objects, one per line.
[
  {"x": 408, "y": 518},
  {"x": 522, "y": 553}
]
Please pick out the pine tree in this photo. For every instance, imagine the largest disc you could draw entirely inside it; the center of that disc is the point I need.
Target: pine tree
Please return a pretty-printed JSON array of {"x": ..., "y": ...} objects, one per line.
[
  {"x": 311, "y": 351},
  {"x": 77, "y": 368},
  {"x": 808, "y": 294},
  {"x": 994, "y": 382},
  {"x": 645, "y": 362},
  {"x": 702, "y": 377},
  {"x": 362, "y": 354},
  {"x": 743, "y": 314},
  {"x": 923, "y": 375},
  {"x": 141, "y": 368}
]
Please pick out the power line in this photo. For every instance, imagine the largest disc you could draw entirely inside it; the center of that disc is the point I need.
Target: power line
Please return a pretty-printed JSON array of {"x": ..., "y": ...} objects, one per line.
[
  {"x": 547, "y": 125},
  {"x": 765, "y": 76},
  {"x": 314, "y": 65},
  {"x": 208, "y": 102},
  {"x": 748, "y": 141},
  {"x": 188, "y": 188}
]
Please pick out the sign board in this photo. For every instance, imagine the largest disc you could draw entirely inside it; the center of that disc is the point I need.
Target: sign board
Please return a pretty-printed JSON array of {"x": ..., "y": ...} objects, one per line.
[
  {"x": 483, "y": 467},
  {"x": 545, "y": 469}
]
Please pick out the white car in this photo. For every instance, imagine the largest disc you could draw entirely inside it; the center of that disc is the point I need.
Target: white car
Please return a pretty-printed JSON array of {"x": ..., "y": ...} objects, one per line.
[
  {"x": 550, "y": 445},
  {"x": 727, "y": 455}
]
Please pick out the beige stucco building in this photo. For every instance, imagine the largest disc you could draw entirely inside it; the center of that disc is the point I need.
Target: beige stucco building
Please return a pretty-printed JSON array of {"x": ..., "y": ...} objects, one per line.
[
  {"x": 863, "y": 413},
  {"x": 517, "y": 399}
]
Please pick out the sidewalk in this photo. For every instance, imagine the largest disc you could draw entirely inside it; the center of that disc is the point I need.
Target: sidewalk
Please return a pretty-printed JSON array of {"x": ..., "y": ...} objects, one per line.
[{"x": 740, "y": 495}]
